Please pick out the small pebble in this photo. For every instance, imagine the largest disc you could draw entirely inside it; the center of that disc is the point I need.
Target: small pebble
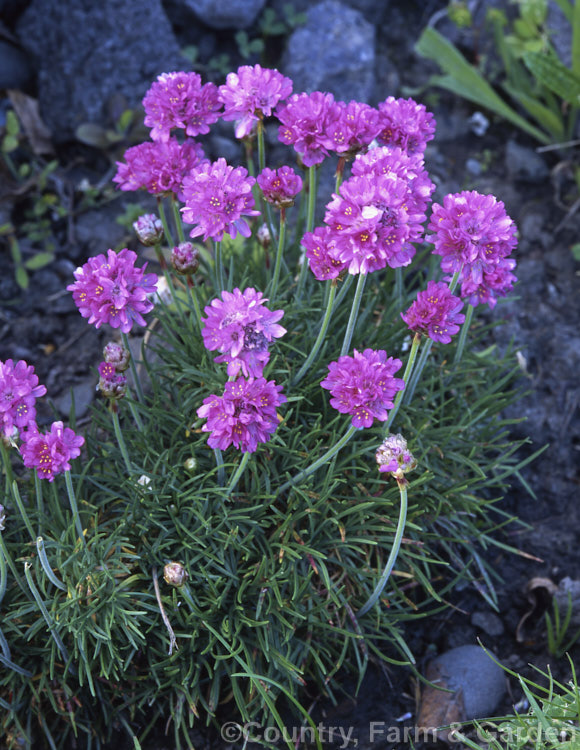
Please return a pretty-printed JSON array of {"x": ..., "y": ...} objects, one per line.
[{"x": 488, "y": 622}]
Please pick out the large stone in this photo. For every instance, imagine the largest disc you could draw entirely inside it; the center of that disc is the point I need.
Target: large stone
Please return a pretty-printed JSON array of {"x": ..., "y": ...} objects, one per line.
[
  {"x": 334, "y": 51},
  {"x": 85, "y": 52},
  {"x": 234, "y": 14}
]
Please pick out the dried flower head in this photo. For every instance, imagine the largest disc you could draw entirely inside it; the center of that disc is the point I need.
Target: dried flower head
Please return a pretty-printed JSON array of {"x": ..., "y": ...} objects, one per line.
[
  {"x": 435, "y": 313},
  {"x": 241, "y": 327},
  {"x": 111, "y": 289},
  {"x": 185, "y": 258},
  {"x": 251, "y": 94},
  {"x": 19, "y": 390},
  {"x": 363, "y": 385},
  {"x": 116, "y": 355},
  {"x": 393, "y": 456},
  {"x": 178, "y": 100},
  {"x": 217, "y": 197},
  {"x": 149, "y": 229},
  {"x": 244, "y": 416},
  {"x": 175, "y": 574}
]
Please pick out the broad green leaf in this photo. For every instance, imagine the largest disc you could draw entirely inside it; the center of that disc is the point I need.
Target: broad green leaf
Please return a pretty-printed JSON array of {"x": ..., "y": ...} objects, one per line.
[
  {"x": 21, "y": 277},
  {"x": 555, "y": 76},
  {"x": 576, "y": 39},
  {"x": 544, "y": 116},
  {"x": 39, "y": 260},
  {"x": 92, "y": 135},
  {"x": 9, "y": 143},
  {"x": 566, "y": 8},
  {"x": 12, "y": 124},
  {"x": 466, "y": 81}
]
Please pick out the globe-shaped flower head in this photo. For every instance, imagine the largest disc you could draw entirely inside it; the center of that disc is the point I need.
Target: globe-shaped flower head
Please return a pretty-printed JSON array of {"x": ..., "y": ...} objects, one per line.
[
  {"x": 306, "y": 124},
  {"x": 19, "y": 390},
  {"x": 435, "y": 313},
  {"x": 405, "y": 123},
  {"x": 280, "y": 186},
  {"x": 50, "y": 453}
]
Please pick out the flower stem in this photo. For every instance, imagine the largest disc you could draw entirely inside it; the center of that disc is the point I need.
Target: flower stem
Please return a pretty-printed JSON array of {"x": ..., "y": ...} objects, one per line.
[
  {"x": 3, "y": 575},
  {"x": 136, "y": 379},
  {"x": 406, "y": 378},
  {"x": 238, "y": 473},
  {"x": 301, "y": 476},
  {"x": 394, "y": 551},
  {"x": 192, "y": 296},
  {"x": 221, "y": 474},
  {"x": 309, "y": 224},
  {"x": 261, "y": 146},
  {"x": 281, "y": 240},
  {"x": 163, "y": 217},
  {"x": 18, "y": 500},
  {"x": 409, "y": 391},
  {"x": 74, "y": 507},
  {"x": 321, "y": 334},
  {"x": 463, "y": 334},
  {"x": 7, "y": 466},
  {"x": 219, "y": 265},
  {"x": 177, "y": 218},
  {"x": 120, "y": 438},
  {"x": 353, "y": 313}
]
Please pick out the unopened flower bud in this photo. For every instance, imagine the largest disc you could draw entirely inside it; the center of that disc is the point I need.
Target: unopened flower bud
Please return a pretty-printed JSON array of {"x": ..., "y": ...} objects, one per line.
[
  {"x": 185, "y": 258},
  {"x": 175, "y": 574},
  {"x": 190, "y": 465},
  {"x": 263, "y": 236},
  {"x": 116, "y": 355},
  {"x": 393, "y": 456},
  {"x": 149, "y": 229},
  {"x": 112, "y": 384}
]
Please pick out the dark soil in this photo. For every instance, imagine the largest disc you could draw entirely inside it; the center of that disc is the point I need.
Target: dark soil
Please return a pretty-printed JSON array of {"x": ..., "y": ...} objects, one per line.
[{"x": 542, "y": 318}]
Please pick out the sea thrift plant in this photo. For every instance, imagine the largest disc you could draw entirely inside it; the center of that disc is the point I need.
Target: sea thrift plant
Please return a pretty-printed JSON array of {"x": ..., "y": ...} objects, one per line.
[{"x": 232, "y": 534}]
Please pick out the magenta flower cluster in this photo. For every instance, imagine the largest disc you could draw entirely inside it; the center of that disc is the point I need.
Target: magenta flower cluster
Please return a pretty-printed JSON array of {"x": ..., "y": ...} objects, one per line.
[
  {"x": 244, "y": 416},
  {"x": 50, "y": 453},
  {"x": 241, "y": 327},
  {"x": 364, "y": 385},
  {"x": 280, "y": 186},
  {"x": 159, "y": 166},
  {"x": 111, "y": 289},
  {"x": 474, "y": 236},
  {"x": 322, "y": 254},
  {"x": 19, "y": 390},
  {"x": 217, "y": 197},
  {"x": 405, "y": 123},
  {"x": 251, "y": 94},
  {"x": 180, "y": 101},
  {"x": 435, "y": 313}
]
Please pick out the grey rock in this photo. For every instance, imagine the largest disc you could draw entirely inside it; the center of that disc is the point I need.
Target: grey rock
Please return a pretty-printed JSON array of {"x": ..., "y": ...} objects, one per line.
[
  {"x": 372, "y": 10},
  {"x": 82, "y": 393},
  {"x": 480, "y": 679},
  {"x": 569, "y": 591},
  {"x": 235, "y": 14},
  {"x": 488, "y": 622},
  {"x": 340, "y": 60},
  {"x": 86, "y": 52},
  {"x": 98, "y": 230},
  {"x": 560, "y": 32},
  {"x": 524, "y": 163},
  {"x": 15, "y": 69}
]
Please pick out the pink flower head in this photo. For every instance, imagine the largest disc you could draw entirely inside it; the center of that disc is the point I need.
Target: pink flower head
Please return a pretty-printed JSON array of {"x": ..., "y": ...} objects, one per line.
[
  {"x": 306, "y": 123},
  {"x": 216, "y": 197},
  {"x": 111, "y": 289},
  {"x": 320, "y": 251},
  {"x": 493, "y": 282},
  {"x": 354, "y": 129},
  {"x": 473, "y": 234},
  {"x": 251, "y": 94},
  {"x": 374, "y": 223},
  {"x": 50, "y": 454},
  {"x": 112, "y": 383},
  {"x": 280, "y": 186},
  {"x": 393, "y": 162},
  {"x": 242, "y": 327},
  {"x": 406, "y": 124},
  {"x": 178, "y": 100},
  {"x": 394, "y": 457},
  {"x": 19, "y": 390},
  {"x": 245, "y": 415},
  {"x": 363, "y": 385},
  {"x": 435, "y": 313},
  {"x": 159, "y": 166},
  {"x": 185, "y": 258}
]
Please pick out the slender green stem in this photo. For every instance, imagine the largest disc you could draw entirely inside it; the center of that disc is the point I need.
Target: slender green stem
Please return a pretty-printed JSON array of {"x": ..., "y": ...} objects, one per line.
[
  {"x": 394, "y": 552},
  {"x": 192, "y": 296},
  {"x": 7, "y": 466},
  {"x": 455, "y": 279},
  {"x": 6, "y": 556},
  {"x": 74, "y": 507},
  {"x": 221, "y": 474},
  {"x": 135, "y": 414},
  {"x": 399, "y": 285},
  {"x": 362, "y": 277},
  {"x": 47, "y": 618},
  {"x": 261, "y": 146},
  {"x": 463, "y": 334},
  {"x": 136, "y": 378},
  {"x": 301, "y": 476},
  {"x": 177, "y": 218},
  {"x": 409, "y": 391},
  {"x": 120, "y": 438},
  {"x": 279, "y": 253},
  {"x": 3, "y": 575},
  {"x": 406, "y": 378},
  {"x": 163, "y": 217},
  {"x": 320, "y": 338},
  {"x": 46, "y": 565},
  {"x": 309, "y": 225},
  {"x": 18, "y": 500},
  {"x": 39, "y": 500},
  {"x": 219, "y": 266},
  {"x": 238, "y": 473}
]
